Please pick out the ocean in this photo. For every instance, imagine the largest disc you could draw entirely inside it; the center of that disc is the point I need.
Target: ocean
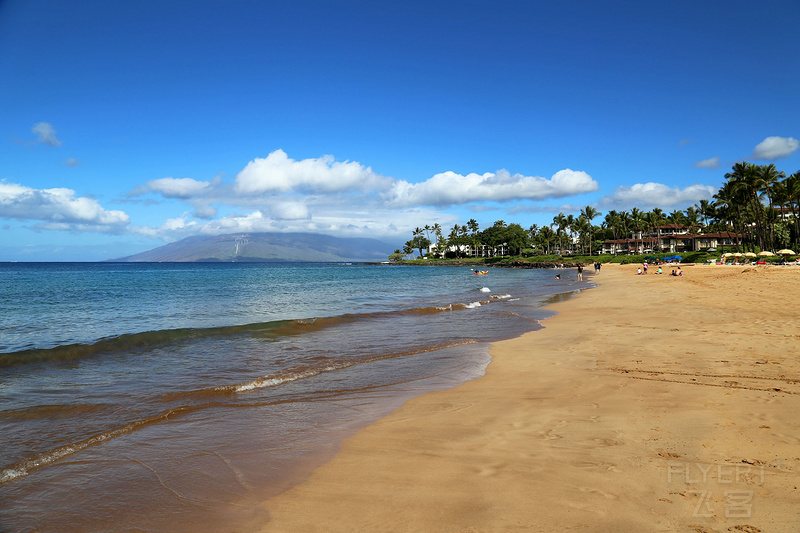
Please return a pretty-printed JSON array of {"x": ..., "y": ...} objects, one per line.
[{"x": 176, "y": 397}]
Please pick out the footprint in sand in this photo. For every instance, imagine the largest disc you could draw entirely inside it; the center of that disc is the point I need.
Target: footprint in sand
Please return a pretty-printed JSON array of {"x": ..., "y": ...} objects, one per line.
[
  {"x": 604, "y": 494},
  {"x": 550, "y": 434},
  {"x": 702, "y": 529},
  {"x": 745, "y": 528}
]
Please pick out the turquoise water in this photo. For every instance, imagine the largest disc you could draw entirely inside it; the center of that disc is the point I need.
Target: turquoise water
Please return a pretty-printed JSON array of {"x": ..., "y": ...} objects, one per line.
[{"x": 175, "y": 397}]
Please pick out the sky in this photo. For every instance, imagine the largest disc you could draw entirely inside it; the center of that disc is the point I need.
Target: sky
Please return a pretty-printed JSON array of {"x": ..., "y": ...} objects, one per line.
[{"x": 128, "y": 125}]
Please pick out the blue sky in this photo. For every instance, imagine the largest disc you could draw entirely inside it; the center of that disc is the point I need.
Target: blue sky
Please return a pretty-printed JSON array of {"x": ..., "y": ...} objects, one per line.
[{"x": 127, "y": 125}]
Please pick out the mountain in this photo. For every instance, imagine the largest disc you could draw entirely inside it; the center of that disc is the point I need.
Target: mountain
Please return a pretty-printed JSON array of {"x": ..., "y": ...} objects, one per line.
[{"x": 266, "y": 247}]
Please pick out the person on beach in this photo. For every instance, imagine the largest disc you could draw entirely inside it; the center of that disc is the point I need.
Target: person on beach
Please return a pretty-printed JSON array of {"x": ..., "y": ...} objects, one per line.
[
  {"x": 580, "y": 273},
  {"x": 644, "y": 266},
  {"x": 639, "y": 271},
  {"x": 659, "y": 271},
  {"x": 558, "y": 276}
]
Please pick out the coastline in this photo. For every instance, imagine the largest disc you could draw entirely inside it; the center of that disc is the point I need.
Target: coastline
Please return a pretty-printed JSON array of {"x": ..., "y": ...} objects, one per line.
[{"x": 650, "y": 403}]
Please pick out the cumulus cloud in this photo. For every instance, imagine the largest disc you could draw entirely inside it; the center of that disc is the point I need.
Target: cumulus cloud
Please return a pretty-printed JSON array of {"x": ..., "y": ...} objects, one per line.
[
  {"x": 708, "y": 163},
  {"x": 58, "y": 209},
  {"x": 450, "y": 188},
  {"x": 72, "y": 162},
  {"x": 655, "y": 195},
  {"x": 180, "y": 188},
  {"x": 45, "y": 134},
  {"x": 290, "y": 211},
  {"x": 355, "y": 220},
  {"x": 205, "y": 211},
  {"x": 327, "y": 196},
  {"x": 775, "y": 147},
  {"x": 279, "y": 173}
]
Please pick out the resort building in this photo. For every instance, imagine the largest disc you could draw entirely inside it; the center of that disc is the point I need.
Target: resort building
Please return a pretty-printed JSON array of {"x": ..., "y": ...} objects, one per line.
[
  {"x": 468, "y": 250},
  {"x": 673, "y": 238}
]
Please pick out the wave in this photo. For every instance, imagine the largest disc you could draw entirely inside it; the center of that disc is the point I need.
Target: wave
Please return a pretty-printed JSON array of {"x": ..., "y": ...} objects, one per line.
[
  {"x": 39, "y": 412},
  {"x": 25, "y": 466},
  {"x": 319, "y": 366},
  {"x": 138, "y": 342},
  {"x": 132, "y": 342}
]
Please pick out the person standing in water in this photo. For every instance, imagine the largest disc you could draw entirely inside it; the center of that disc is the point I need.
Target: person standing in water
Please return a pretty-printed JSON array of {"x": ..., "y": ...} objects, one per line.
[{"x": 580, "y": 272}]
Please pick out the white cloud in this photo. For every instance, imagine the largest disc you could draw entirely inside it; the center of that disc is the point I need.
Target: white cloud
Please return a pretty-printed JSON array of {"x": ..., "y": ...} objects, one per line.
[
  {"x": 708, "y": 163},
  {"x": 205, "y": 211},
  {"x": 46, "y": 134},
  {"x": 171, "y": 229},
  {"x": 290, "y": 211},
  {"x": 278, "y": 173},
  {"x": 58, "y": 209},
  {"x": 72, "y": 162},
  {"x": 655, "y": 195},
  {"x": 325, "y": 196},
  {"x": 181, "y": 188},
  {"x": 775, "y": 147},
  {"x": 353, "y": 220},
  {"x": 450, "y": 188}
]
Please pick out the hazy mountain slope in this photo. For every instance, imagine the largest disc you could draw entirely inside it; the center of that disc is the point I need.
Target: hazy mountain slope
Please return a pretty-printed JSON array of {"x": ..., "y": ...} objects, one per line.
[{"x": 265, "y": 247}]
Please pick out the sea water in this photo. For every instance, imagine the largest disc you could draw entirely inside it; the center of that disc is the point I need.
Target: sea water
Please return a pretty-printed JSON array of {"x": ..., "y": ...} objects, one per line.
[{"x": 166, "y": 397}]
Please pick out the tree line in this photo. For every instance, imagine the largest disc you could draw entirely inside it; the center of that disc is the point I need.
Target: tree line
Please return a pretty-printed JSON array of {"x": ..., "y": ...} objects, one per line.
[{"x": 757, "y": 201}]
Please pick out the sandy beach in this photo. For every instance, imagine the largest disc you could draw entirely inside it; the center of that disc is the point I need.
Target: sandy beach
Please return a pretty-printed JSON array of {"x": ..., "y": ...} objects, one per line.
[{"x": 649, "y": 403}]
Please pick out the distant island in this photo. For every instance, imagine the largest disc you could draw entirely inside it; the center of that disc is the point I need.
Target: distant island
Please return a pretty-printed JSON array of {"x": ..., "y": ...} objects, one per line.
[{"x": 266, "y": 248}]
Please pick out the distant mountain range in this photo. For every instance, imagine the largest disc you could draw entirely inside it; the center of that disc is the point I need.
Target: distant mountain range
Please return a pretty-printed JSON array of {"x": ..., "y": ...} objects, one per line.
[{"x": 266, "y": 247}]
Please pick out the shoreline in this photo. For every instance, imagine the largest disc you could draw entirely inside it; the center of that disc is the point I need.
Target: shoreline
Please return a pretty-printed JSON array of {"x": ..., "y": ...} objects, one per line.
[{"x": 642, "y": 406}]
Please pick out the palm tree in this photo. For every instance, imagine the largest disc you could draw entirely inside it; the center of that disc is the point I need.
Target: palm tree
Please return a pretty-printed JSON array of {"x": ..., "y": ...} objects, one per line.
[
  {"x": 613, "y": 222},
  {"x": 437, "y": 230},
  {"x": 546, "y": 236},
  {"x": 706, "y": 209},
  {"x": 584, "y": 230},
  {"x": 792, "y": 187},
  {"x": 427, "y": 230},
  {"x": 532, "y": 232},
  {"x": 766, "y": 178},
  {"x": 637, "y": 224},
  {"x": 691, "y": 219},
  {"x": 655, "y": 219},
  {"x": 747, "y": 184},
  {"x": 454, "y": 239},
  {"x": 560, "y": 222},
  {"x": 729, "y": 207},
  {"x": 420, "y": 241},
  {"x": 474, "y": 235},
  {"x": 589, "y": 213},
  {"x": 627, "y": 222}
]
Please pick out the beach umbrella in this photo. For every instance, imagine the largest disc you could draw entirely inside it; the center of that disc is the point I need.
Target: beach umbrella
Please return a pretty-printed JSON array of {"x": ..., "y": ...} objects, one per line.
[
  {"x": 749, "y": 254},
  {"x": 738, "y": 254},
  {"x": 765, "y": 253},
  {"x": 786, "y": 251}
]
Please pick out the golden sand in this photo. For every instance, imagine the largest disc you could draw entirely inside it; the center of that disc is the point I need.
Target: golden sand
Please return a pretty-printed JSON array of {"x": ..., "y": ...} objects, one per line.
[{"x": 651, "y": 403}]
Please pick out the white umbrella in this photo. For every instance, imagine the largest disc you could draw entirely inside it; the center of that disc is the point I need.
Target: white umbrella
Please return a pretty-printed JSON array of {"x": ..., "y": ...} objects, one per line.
[
  {"x": 765, "y": 253},
  {"x": 749, "y": 254},
  {"x": 786, "y": 251}
]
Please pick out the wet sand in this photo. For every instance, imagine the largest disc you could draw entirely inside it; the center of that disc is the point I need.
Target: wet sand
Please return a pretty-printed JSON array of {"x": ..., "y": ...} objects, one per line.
[{"x": 650, "y": 403}]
